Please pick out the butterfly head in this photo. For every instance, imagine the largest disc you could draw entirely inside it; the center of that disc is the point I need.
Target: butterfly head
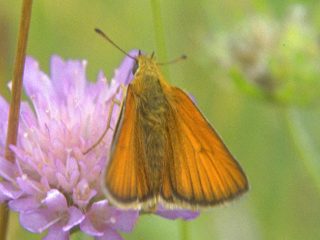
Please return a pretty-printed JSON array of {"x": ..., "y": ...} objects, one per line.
[{"x": 145, "y": 63}]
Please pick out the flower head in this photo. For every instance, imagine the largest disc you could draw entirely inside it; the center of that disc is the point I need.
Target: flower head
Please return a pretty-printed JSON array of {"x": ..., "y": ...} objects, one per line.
[{"x": 52, "y": 183}]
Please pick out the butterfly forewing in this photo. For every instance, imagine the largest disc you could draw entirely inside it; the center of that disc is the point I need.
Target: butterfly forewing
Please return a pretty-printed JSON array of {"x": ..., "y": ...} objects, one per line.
[
  {"x": 201, "y": 171},
  {"x": 125, "y": 178}
]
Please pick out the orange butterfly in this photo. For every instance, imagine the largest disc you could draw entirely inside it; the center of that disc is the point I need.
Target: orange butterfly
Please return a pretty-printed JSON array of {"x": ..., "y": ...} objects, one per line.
[{"x": 165, "y": 151}]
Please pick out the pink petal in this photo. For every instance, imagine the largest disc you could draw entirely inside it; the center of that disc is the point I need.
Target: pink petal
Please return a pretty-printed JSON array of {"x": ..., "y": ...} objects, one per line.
[
  {"x": 8, "y": 191},
  {"x": 30, "y": 186},
  {"x": 101, "y": 216},
  {"x": 4, "y": 106},
  {"x": 56, "y": 233},
  {"x": 177, "y": 213},
  {"x": 3, "y": 197},
  {"x": 7, "y": 170},
  {"x": 88, "y": 227},
  {"x": 36, "y": 221},
  {"x": 63, "y": 182},
  {"x": 123, "y": 220},
  {"x": 37, "y": 85},
  {"x": 24, "y": 204},
  {"x": 68, "y": 77},
  {"x": 55, "y": 201},
  {"x": 75, "y": 218},
  {"x": 124, "y": 73},
  {"x": 27, "y": 117},
  {"x": 110, "y": 234},
  {"x": 95, "y": 91},
  {"x": 82, "y": 193}
]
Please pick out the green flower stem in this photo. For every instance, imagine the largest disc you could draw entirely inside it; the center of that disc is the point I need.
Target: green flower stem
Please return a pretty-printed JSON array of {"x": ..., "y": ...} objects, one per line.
[
  {"x": 162, "y": 53},
  {"x": 184, "y": 233},
  {"x": 14, "y": 111},
  {"x": 303, "y": 144},
  {"x": 159, "y": 32}
]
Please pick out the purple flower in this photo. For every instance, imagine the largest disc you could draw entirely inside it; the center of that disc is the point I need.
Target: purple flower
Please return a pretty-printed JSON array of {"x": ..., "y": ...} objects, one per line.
[
  {"x": 53, "y": 185},
  {"x": 53, "y": 214},
  {"x": 110, "y": 220},
  {"x": 177, "y": 213}
]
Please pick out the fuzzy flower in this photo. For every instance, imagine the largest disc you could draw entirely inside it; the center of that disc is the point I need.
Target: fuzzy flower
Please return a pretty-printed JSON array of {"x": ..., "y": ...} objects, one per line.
[{"x": 53, "y": 185}]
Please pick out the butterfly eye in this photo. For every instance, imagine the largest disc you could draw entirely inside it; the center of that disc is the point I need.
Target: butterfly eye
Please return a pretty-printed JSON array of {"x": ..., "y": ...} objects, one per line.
[{"x": 135, "y": 67}]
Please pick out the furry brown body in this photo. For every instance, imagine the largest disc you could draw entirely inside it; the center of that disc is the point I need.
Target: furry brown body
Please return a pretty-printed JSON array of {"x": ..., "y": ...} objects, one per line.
[{"x": 152, "y": 111}]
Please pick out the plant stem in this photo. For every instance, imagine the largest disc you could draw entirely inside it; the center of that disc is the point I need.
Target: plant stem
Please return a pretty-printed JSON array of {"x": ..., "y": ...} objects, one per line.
[
  {"x": 304, "y": 145},
  {"x": 14, "y": 112},
  {"x": 184, "y": 233},
  {"x": 159, "y": 31},
  {"x": 162, "y": 53}
]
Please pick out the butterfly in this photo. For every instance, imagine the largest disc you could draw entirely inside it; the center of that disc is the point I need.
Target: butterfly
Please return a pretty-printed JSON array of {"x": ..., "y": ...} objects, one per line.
[{"x": 164, "y": 151}]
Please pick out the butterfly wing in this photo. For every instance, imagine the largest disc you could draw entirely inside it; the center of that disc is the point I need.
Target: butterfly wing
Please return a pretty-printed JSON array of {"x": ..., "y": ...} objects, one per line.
[
  {"x": 125, "y": 178},
  {"x": 202, "y": 172}
]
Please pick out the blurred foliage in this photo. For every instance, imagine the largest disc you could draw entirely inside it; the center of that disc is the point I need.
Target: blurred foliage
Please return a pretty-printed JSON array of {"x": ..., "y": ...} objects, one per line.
[
  {"x": 277, "y": 60},
  {"x": 283, "y": 202}
]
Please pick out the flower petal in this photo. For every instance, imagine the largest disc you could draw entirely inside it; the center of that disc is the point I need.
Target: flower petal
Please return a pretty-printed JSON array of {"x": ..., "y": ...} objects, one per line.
[
  {"x": 82, "y": 193},
  {"x": 9, "y": 191},
  {"x": 96, "y": 90},
  {"x": 56, "y": 233},
  {"x": 36, "y": 221},
  {"x": 30, "y": 186},
  {"x": 75, "y": 218},
  {"x": 55, "y": 201},
  {"x": 68, "y": 77},
  {"x": 108, "y": 217},
  {"x": 110, "y": 234},
  {"x": 24, "y": 204},
  {"x": 4, "y": 106},
  {"x": 7, "y": 169},
  {"x": 88, "y": 227},
  {"x": 28, "y": 119},
  {"x": 39, "y": 88},
  {"x": 123, "y": 220},
  {"x": 178, "y": 213},
  {"x": 124, "y": 73}
]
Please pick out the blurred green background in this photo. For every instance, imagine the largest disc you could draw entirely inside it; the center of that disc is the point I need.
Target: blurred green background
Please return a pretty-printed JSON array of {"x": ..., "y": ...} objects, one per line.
[{"x": 276, "y": 141}]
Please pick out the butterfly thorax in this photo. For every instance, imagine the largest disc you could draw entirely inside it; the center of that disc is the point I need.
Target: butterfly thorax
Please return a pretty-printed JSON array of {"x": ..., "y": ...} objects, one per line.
[{"x": 152, "y": 110}]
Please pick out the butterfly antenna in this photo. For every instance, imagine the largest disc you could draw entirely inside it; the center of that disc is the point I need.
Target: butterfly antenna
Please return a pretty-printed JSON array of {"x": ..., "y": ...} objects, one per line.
[
  {"x": 102, "y": 34},
  {"x": 178, "y": 59}
]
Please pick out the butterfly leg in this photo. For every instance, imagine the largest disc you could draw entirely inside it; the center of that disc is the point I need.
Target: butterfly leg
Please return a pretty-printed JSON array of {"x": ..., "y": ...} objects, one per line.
[{"x": 108, "y": 126}]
